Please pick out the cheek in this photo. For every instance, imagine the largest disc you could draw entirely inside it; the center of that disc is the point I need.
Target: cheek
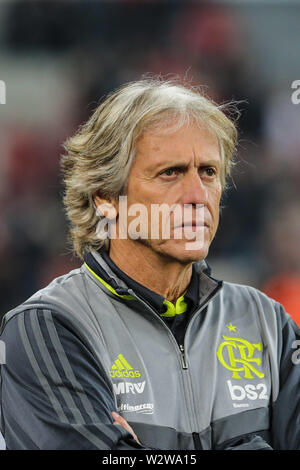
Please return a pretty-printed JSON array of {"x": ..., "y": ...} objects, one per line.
[
  {"x": 215, "y": 199},
  {"x": 215, "y": 209}
]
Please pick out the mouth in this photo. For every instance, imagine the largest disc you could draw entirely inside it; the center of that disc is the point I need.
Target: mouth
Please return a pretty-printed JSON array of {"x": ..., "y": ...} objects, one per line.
[{"x": 193, "y": 224}]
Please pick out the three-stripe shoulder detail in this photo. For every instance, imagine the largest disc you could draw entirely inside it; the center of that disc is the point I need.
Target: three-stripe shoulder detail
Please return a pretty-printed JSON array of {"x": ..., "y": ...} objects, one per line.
[{"x": 48, "y": 359}]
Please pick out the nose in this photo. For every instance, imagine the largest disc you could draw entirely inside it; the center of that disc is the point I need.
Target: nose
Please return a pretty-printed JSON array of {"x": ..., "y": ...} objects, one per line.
[{"x": 194, "y": 191}]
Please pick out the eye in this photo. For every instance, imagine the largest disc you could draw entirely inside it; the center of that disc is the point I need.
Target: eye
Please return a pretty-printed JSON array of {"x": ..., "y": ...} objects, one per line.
[
  {"x": 209, "y": 171},
  {"x": 169, "y": 172}
]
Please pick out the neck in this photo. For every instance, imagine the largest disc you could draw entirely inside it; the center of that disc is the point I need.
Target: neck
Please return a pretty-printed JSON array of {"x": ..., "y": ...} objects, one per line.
[{"x": 171, "y": 277}]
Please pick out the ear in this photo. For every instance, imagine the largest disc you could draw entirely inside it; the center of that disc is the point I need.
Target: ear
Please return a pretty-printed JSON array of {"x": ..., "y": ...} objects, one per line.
[{"x": 105, "y": 207}]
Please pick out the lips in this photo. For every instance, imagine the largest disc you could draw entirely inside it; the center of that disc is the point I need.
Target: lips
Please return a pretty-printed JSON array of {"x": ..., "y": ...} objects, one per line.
[{"x": 192, "y": 224}]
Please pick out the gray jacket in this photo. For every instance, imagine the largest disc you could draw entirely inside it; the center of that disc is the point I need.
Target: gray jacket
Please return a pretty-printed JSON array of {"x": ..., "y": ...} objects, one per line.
[{"x": 87, "y": 345}]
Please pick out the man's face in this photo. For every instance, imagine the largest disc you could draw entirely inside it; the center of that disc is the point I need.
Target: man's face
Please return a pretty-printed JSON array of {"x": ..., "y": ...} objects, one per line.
[{"x": 181, "y": 168}]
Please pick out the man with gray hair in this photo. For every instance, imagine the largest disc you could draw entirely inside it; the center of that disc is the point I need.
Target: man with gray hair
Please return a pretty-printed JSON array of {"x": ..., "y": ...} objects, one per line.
[{"x": 141, "y": 347}]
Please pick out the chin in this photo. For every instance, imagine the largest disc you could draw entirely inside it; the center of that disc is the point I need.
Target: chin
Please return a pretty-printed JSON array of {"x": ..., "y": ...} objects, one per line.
[
  {"x": 175, "y": 250},
  {"x": 191, "y": 256},
  {"x": 181, "y": 254}
]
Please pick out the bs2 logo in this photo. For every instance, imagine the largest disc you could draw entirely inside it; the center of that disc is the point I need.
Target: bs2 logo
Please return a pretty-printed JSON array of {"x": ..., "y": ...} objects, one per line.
[{"x": 239, "y": 357}]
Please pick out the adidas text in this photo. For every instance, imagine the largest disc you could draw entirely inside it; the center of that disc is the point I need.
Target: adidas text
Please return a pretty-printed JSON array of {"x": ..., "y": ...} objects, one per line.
[{"x": 125, "y": 373}]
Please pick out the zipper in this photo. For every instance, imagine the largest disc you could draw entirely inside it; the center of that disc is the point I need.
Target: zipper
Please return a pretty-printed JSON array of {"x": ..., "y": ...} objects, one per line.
[
  {"x": 196, "y": 310},
  {"x": 197, "y": 441},
  {"x": 152, "y": 311},
  {"x": 188, "y": 392},
  {"x": 183, "y": 358},
  {"x": 189, "y": 396}
]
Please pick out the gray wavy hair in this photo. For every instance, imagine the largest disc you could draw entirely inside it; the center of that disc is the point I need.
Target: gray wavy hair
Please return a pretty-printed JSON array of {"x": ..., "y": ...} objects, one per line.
[{"x": 99, "y": 156}]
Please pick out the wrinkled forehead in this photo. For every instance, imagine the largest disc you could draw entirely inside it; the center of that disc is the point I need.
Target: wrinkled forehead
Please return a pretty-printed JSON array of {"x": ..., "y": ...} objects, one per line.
[
  {"x": 170, "y": 121},
  {"x": 170, "y": 142}
]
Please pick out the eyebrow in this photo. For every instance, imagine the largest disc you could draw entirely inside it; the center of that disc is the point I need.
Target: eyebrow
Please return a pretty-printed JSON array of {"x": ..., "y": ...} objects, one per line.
[{"x": 180, "y": 164}]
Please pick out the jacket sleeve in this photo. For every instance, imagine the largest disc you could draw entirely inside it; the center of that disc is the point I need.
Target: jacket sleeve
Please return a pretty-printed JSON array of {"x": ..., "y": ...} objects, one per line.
[
  {"x": 54, "y": 394},
  {"x": 286, "y": 409}
]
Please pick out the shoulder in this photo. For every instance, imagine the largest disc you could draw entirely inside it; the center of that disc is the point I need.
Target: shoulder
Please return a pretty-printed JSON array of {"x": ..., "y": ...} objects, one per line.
[
  {"x": 49, "y": 311},
  {"x": 66, "y": 307},
  {"x": 243, "y": 289},
  {"x": 60, "y": 296},
  {"x": 251, "y": 298},
  {"x": 246, "y": 292}
]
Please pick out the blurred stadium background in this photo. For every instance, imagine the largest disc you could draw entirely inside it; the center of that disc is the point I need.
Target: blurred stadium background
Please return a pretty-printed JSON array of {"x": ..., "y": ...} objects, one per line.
[{"x": 58, "y": 59}]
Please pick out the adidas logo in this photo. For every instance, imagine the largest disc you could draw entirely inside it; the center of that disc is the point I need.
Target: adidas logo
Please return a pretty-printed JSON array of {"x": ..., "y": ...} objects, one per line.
[{"x": 122, "y": 368}]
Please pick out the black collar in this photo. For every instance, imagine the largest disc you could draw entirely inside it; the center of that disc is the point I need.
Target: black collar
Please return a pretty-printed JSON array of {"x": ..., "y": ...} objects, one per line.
[{"x": 155, "y": 300}]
